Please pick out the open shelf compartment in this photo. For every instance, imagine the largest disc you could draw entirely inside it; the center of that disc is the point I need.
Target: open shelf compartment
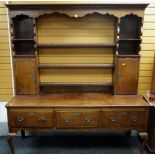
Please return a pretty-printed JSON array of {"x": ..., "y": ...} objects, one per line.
[{"x": 23, "y": 35}]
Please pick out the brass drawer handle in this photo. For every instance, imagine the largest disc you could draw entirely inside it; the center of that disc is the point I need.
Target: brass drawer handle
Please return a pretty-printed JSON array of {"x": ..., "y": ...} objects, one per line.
[
  {"x": 20, "y": 119},
  {"x": 134, "y": 118},
  {"x": 42, "y": 119},
  {"x": 112, "y": 119},
  {"x": 66, "y": 120},
  {"x": 88, "y": 119}
]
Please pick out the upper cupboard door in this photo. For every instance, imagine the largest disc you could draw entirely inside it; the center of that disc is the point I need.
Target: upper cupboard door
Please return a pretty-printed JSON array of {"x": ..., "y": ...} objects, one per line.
[
  {"x": 127, "y": 76},
  {"x": 25, "y": 75}
]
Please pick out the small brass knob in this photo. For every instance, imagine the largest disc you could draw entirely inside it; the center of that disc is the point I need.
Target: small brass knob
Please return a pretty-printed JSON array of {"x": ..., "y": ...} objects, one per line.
[
  {"x": 123, "y": 64},
  {"x": 76, "y": 15},
  {"x": 66, "y": 120},
  {"x": 134, "y": 118},
  {"x": 20, "y": 119},
  {"x": 112, "y": 119},
  {"x": 42, "y": 119},
  {"x": 88, "y": 119},
  {"x": 33, "y": 77}
]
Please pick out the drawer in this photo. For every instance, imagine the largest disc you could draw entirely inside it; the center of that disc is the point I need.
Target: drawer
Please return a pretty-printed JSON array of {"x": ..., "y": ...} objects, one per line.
[
  {"x": 31, "y": 118},
  {"x": 124, "y": 118},
  {"x": 77, "y": 119}
]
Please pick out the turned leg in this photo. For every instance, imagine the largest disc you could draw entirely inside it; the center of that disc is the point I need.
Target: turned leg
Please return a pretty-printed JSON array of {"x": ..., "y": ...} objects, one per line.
[
  {"x": 143, "y": 137},
  {"x": 10, "y": 141},
  {"x": 23, "y": 133}
]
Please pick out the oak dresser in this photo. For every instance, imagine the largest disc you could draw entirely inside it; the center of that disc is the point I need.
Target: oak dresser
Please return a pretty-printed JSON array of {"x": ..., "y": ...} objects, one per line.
[{"x": 76, "y": 67}]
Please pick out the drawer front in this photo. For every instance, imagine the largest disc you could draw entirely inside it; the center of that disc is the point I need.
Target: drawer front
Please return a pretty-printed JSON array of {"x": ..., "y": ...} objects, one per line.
[
  {"x": 77, "y": 119},
  {"x": 31, "y": 118},
  {"x": 124, "y": 118}
]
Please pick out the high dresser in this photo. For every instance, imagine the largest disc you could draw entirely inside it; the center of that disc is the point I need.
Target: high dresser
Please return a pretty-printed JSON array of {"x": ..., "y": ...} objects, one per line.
[{"x": 76, "y": 67}]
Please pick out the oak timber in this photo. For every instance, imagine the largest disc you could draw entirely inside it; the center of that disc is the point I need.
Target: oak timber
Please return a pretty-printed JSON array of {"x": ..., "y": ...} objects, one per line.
[{"x": 77, "y": 100}]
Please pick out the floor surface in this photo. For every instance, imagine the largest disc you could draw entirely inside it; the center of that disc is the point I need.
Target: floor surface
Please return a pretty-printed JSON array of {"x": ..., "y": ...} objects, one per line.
[{"x": 64, "y": 143}]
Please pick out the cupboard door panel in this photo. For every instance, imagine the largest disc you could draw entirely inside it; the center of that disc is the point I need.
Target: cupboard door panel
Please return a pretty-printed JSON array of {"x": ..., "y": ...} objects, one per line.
[
  {"x": 127, "y": 76},
  {"x": 25, "y": 75}
]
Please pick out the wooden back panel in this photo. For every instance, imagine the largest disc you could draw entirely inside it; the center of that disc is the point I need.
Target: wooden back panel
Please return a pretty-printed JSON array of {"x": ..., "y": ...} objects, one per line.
[{"x": 61, "y": 29}]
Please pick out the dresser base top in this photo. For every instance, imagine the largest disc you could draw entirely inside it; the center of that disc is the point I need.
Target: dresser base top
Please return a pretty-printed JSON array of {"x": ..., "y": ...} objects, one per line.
[{"x": 77, "y": 100}]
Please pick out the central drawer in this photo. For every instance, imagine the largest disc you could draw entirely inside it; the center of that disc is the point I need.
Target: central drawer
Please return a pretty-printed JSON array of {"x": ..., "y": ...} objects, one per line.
[
  {"x": 77, "y": 119},
  {"x": 31, "y": 118}
]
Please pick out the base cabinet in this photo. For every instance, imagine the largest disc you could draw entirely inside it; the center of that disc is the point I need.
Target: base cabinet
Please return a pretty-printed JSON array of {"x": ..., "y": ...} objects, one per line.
[{"x": 108, "y": 118}]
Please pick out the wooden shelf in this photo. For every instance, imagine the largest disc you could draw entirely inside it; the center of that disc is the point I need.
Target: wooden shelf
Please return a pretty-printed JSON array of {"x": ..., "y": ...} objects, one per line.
[
  {"x": 128, "y": 56},
  {"x": 129, "y": 39},
  {"x": 23, "y": 40},
  {"x": 75, "y": 87},
  {"x": 74, "y": 66},
  {"x": 74, "y": 84},
  {"x": 77, "y": 45},
  {"x": 24, "y": 56}
]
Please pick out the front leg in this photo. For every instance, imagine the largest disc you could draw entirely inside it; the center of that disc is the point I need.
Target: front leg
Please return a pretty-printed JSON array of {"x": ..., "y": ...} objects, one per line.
[
  {"x": 22, "y": 133},
  {"x": 143, "y": 137},
  {"x": 10, "y": 141}
]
